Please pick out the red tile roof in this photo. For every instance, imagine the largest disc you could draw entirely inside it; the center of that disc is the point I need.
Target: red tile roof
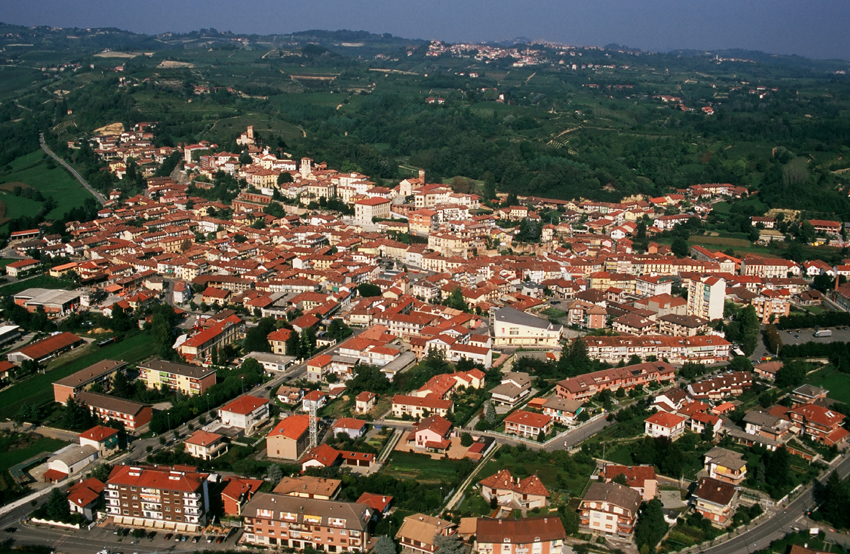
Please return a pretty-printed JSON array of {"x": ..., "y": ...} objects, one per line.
[
  {"x": 521, "y": 417},
  {"x": 377, "y": 502},
  {"x": 185, "y": 479},
  {"x": 84, "y": 493},
  {"x": 45, "y": 347},
  {"x": 292, "y": 427},
  {"x": 99, "y": 433},
  {"x": 244, "y": 405},
  {"x": 663, "y": 419}
]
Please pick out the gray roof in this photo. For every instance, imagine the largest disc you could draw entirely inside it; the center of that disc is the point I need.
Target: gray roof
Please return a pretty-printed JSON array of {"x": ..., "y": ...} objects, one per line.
[
  {"x": 186, "y": 370},
  {"x": 562, "y": 404},
  {"x": 91, "y": 373},
  {"x": 111, "y": 403},
  {"x": 356, "y": 516},
  {"x": 72, "y": 454},
  {"x": 521, "y": 378},
  {"x": 624, "y": 497},
  {"x": 726, "y": 458},
  {"x": 809, "y": 391},
  {"x": 507, "y": 390},
  {"x": 269, "y": 357},
  {"x": 512, "y": 315},
  {"x": 762, "y": 419}
]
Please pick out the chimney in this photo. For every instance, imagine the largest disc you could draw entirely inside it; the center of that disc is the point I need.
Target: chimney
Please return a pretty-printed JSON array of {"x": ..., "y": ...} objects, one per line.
[{"x": 422, "y": 175}]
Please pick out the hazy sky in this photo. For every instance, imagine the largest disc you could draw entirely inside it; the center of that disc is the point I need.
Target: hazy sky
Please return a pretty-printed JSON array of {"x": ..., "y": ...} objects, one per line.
[{"x": 812, "y": 28}]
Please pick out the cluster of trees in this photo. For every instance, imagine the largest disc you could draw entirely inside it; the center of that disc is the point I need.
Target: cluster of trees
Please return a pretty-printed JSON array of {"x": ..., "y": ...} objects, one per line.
[
  {"x": 809, "y": 321},
  {"x": 650, "y": 527},
  {"x": 744, "y": 329},
  {"x": 772, "y": 474},
  {"x": 834, "y": 500}
]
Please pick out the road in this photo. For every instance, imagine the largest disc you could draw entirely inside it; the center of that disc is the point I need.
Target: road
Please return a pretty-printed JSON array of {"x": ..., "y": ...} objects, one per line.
[
  {"x": 99, "y": 197},
  {"x": 777, "y": 526}
]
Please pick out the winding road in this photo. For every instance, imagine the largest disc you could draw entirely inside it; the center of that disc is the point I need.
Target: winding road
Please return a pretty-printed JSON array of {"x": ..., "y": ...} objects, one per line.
[{"x": 97, "y": 196}]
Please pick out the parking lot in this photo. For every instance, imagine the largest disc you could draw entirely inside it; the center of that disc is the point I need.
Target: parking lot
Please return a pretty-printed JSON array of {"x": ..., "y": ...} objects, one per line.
[
  {"x": 799, "y": 336},
  {"x": 159, "y": 540}
]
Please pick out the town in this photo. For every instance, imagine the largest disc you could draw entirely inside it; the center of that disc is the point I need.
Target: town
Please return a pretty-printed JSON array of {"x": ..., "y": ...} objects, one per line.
[{"x": 327, "y": 363}]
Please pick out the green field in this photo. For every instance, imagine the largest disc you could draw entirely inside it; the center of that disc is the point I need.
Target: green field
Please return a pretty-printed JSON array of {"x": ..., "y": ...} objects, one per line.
[
  {"x": 42, "y": 281},
  {"x": 837, "y": 383},
  {"x": 405, "y": 465},
  {"x": 13, "y": 454},
  {"x": 38, "y": 390},
  {"x": 32, "y": 170}
]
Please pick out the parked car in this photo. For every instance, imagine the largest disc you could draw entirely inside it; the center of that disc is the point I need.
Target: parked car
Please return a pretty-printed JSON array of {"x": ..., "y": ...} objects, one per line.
[
  {"x": 219, "y": 540},
  {"x": 168, "y": 536}
]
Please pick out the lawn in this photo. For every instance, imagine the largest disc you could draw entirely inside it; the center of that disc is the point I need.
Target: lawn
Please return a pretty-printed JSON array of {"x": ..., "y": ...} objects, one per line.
[
  {"x": 422, "y": 468},
  {"x": 37, "y": 390},
  {"x": 41, "y": 281},
  {"x": 837, "y": 383},
  {"x": 15, "y": 451},
  {"x": 33, "y": 170}
]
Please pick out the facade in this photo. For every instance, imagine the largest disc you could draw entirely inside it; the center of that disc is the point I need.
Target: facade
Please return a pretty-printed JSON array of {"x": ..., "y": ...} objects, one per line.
[
  {"x": 715, "y": 500},
  {"x": 102, "y": 372},
  {"x": 365, "y": 210},
  {"x": 716, "y": 388},
  {"x": 819, "y": 423},
  {"x": 185, "y": 378},
  {"x": 512, "y": 327},
  {"x": 662, "y": 424},
  {"x": 110, "y": 408},
  {"x": 528, "y": 493},
  {"x": 289, "y": 438},
  {"x": 514, "y": 387},
  {"x": 205, "y": 446},
  {"x": 418, "y": 531},
  {"x": 245, "y": 412},
  {"x": 528, "y": 424},
  {"x": 417, "y": 407},
  {"x": 585, "y": 386},
  {"x": 276, "y": 520},
  {"x": 609, "y": 508},
  {"x": 562, "y": 410},
  {"x": 531, "y": 535},
  {"x": 726, "y": 465},
  {"x": 706, "y": 297},
  {"x": 701, "y": 349},
  {"x": 158, "y": 498}
]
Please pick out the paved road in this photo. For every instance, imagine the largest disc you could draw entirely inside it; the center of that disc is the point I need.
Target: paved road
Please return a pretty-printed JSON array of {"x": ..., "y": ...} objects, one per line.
[
  {"x": 99, "y": 197},
  {"x": 777, "y": 526}
]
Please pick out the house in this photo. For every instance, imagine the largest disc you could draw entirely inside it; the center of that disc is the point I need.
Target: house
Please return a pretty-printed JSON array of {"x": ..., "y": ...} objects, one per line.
[
  {"x": 768, "y": 370},
  {"x": 717, "y": 388},
  {"x": 768, "y": 426},
  {"x": 353, "y": 428},
  {"x": 640, "y": 478},
  {"x": 315, "y": 399},
  {"x": 609, "y": 508},
  {"x": 662, "y": 424},
  {"x": 245, "y": 412},
  {"x": 514, "y": 387},
  {"x": 819, "y": 423},
  {"x": 417, "y": 532},
  {"x": 540, "y": 535},
  {"x": 289, "y": 438},
  {"x": 416, "y": 407},
  {"x": 306, "y": 486},
  {"x": 808, "y": 394},
  {"x": 515, "y": 328},
  {"x": 528, "y": 424},
  {"x": 563, "y": 411},
  {"x": 378, "y": 503},
  {"x": 432, "y": 433},
  {"x": 83, "y": 497},
  {"x": 364, "y": 402},
  {"x": 715, "y": 500},
  {"x": 582, "y": 387},
  {"x": 103, "y": 439},
  {"x": 725, "y": 465},
  {"x": 205, "y": 446},
  {"x": 21, "y": 267},
  {"x": 320, "y": 456},
  {"x": 289, "y": 395},
  {"x": 276, "y": 520},
  {"x": 528, "y": 493},
  {"x": 237, "y": 492},
  {"x": 110, "y": 408},
  {"x": 183, "y": 490},
  {"x": 102, "y": 373}
]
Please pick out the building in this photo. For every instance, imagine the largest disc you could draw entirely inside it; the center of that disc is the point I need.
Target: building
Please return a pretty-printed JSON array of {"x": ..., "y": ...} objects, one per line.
[
  {"x": 716, "y": 388},
  {"x": 809, "y": 394},
  {"x": 432, "y": 433},
  {"x": 706, "y": 297},
  {"x": 102, "y": 373},
  {"x": 158, "y": 498},
  {"x": 417, "y": 532},
  {"x": 374, "y": 207},
  {"x": 42, "y": 350},
  {"x": 21, "y": 267},
  {"x": 68, "y": 461},
  {"x": 514, "y": 387},
  {"x": 528, "y": 424},
  {"x": 306, "y": 486},
  {"x": 662, "y": 424},
  {"x": 54, "y": 302},
  {"x": 276, "y": 520},
  {"x": 245, "y": 412},
  {"x": 819, "y": 423},
  {"x": 585, "y": 386},
  {"x": 531, "y": 535},
  {"x": 206, "y": 446},
  {"x": 701, "y": 349},
  {"x": 715, "y": 500},
  {"x": 237, "y": 492},
  {"x": 562, "y": 410},
  {"x": 110, "y": 408},
  {"x": 726, "y": 465},
  {"x": 185, "y": 378},
  {"x": 609, "y": 508},
  {"x": 416, "y": 407},
  {"x": 512, "y": 327},
  {"x": 289, "y": 438},
  {"x": 639, "y": 478},
  {"x": 353, "y": 428},
  {"x": 83, "y": 497},
  {"x": 364, "y": 402},
  {"x": 528, "y": 493},
  {"x": 103, "y": 439}
]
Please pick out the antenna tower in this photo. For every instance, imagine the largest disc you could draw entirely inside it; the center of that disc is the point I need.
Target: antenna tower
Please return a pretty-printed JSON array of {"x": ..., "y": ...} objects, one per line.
[{"x": 314, "y": 426}]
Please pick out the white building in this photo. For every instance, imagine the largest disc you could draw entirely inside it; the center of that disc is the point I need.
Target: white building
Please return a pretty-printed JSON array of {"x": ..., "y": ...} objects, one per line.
[{"x": 706, "y": 297}]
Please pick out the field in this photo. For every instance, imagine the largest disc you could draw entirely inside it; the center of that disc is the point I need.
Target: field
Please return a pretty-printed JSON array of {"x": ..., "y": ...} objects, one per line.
[
  {"x": 42, "y": 281},
  {"x": 421, "y": 467},
  {"x": 837, "y": 383},
  {"x": 32, "y": 170},
  {"x": 38, "y": 390},
  {"x": 12, "y": 454}
]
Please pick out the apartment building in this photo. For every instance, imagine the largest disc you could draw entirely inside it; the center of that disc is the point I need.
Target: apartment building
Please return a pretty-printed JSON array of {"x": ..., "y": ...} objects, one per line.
[
  {"x": 185, "y": 378},
  {"x": 585, "y": 386},
  {"x": 716, "y": 388},
  {"x": 528, "y": 424},
  {"x": 701, "y": 349},
  {"x": 110, "y": 408},
  {"x": 417, "y": 407},
  {"x": 662, "y": 424},
  {"x": 819, "y": 423},
  {"x": 276, "y": 520},
  {"x": 365, "y": 210},
  {"x": 726, "y": 465},
  {"x": 102, "y": 373},
  {"x": 245, "y": 412},
  {"x": 531, "y": 535},
  {"x": 609, "y": 508},
  {"x": 715, "y": 500},
  {"x": 706, "y": 297},
  {"x": 528, "y": 493},
  {"x": 512, "y": 327},
  {"x": 158, "y": 498},
  {"x": 289, "y": 438},
  {"x": 418, "y": 532}
]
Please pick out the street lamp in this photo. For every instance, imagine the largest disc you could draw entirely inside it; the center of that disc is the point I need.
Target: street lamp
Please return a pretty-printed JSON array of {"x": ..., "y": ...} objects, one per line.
[{"x": 242, "y": 381}]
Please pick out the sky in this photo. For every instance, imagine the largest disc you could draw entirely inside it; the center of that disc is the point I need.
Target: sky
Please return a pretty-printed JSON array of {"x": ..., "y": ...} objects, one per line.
[{"x": 811, "y": 28}]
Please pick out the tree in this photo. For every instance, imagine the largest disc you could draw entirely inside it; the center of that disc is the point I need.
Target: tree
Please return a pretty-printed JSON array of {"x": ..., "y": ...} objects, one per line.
[
  {"x": 56, "y": 508},
  {"x": 466, "y": 440},
  {"x": 121, "y": 386},
  {"x": 384, "y": 545},
  {"x": 490, "y": 414},
  {"x": 367, "y": 290},
  {"x": 443, "y": 544},
  {"x": 651, "y": 526},
  {"x": 455, "y": 300},
  {"x": 680, "y": 247},
  {"x": 275, "y": 473},
  {"x": 339, "y": 330},
  {"x": 791, "y": 374},
  {"x": 284, "y": 177},
  {"x": 256, "y": 338}
]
